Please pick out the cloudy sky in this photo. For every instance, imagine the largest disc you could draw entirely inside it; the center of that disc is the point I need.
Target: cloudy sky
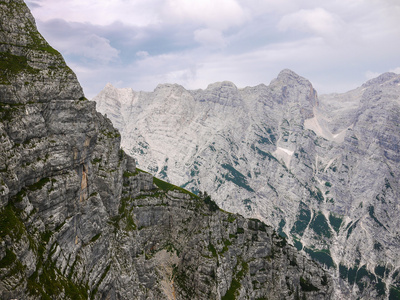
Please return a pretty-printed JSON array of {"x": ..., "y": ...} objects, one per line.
[{"x": 336, "y": 44}]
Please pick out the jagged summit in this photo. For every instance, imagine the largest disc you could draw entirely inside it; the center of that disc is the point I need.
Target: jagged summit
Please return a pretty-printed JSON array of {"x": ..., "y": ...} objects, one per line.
[
  {"x": 289, "y": 77},
  {"x": 31, "y": 70},
  {"x": 381, "y": 79},
  {"x": 162, "y": 86},
  {"x": 287, "y": 73},
  {"x": 223, "y": 84}
]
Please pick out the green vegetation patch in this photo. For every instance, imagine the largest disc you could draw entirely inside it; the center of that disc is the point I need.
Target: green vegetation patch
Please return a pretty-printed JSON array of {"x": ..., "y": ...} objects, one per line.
[
  {"x": 381, "y": 271},
  {"x": 371, "y": 212},
  {"x": 95, "y": 238},
  {"x": 282, "y": 224},
  {"x": 264, "y": 140},
  {"x": 95, "y": 290},
  {"x": 320, "y": 225},
  {"x": 307, "y": 286},
  {"x": 236, "y": 177},
  {"x": 257, "y": 225},
  {"x": 231, "y": 218},
  {"x": 335, "y": 221},
  {"x": 316, "y": 195},
  {"x": 363, "y": 273},
  {"x": 298, "y": 245},
  {"x": 322, "y": 256},
  {"x": 212, "y": 206},
  {"x": 51, "y": 282},
  {"x": 39, "y": 185},
  {"x": 348, "y": 274},
  {"x": 226, "y": 244},
  {"x": 8, "y": 259},
  {"x": 7, "y": 112},
  {"x": 280, "y": 240},
  {"x": 211, "y": 248},
  {"x": 264, "y": 154},
  {"x": 239, "y": 230},
  {"x": 394, "y": 293},
  {"x": 361, "y": 276},
  {"x": 11, "y": 65},
  {"x": 166, "y": 186},
  {"x": 232, "y": 292},
  {"x": 47, "y": 282},
  {"x": 351, "y": 227},
  {"x": 247, "y": 204},
  {"x": 128, "y": 174},
  {"x": 302, "y": 221},
  {"x": 96, "y": 160},
  {"x": 10, "y": 224}
]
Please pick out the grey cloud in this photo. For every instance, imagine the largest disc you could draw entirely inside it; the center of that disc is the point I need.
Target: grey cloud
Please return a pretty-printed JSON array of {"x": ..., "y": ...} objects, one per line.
[{"x": 33, "y": 4}]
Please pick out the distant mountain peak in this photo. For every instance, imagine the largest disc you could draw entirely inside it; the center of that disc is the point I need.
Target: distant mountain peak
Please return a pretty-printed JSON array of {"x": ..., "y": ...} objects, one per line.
[
  {"x": 288, "y": 77},
  {"x": 223, "y": 84},
  {"x": 109, "y": 86},
  {"x": 163, "y": 86},
  {"x": 381, "y": 79},
  {"x": 287, "y": 73}
]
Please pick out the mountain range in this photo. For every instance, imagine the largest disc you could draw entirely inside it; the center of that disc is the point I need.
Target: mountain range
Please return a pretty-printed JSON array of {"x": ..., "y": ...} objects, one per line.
[
  {"x": 79, "y": 220},
  {"x": 323, "y": 171}
]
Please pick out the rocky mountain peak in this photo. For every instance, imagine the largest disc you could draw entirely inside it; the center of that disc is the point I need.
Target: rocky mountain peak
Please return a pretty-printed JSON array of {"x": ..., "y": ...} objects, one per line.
[
  {"x": 224, "y": 93},
  {"x": 289, "y": 87},
  {"x": 288, "y": 77},
  {"x": 385, "y": 77},
  {"x": 287, "y": 73},
  {"x": 30, "y": 69},
  {"x": 109, "y": 86},
  {"x": 222, "y": 85},
  {"x": 168, "y": 86}
]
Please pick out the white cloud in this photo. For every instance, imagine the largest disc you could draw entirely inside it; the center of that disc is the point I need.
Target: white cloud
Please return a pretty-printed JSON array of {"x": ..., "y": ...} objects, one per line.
[
  {"x": 210, "y": 38},
  {"x": 95, "y": 47},
  {"x": 88, "y": 46},
  {"x": 395, "y": 70},
  {"x": 317, "y": 21},
  {"x": 220, "y": 15},
  {"x": 142, "y": 54},
  {"x": 370, "y": 74},
  {"x": 100, "y": 12}
]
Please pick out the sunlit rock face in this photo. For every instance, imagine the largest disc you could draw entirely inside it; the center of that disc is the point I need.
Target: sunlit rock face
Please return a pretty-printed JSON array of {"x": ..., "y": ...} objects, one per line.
[
  {"x": 78, "y": 220},
  {"x": 322, "y": 170}
]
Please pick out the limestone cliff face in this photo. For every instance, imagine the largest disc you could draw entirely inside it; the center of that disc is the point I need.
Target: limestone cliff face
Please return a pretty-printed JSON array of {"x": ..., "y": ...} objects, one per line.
[
  {"x": 31, "y": 70},
  {"x": 78, "y": 220},
  {"x": 322, "y": 171}
]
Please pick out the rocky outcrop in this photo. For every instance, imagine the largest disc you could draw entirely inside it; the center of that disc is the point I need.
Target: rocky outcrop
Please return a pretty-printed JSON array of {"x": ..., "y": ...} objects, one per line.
[
  {"x": 31, "y": 70},
  {"x": 78, "y": 220},
  {"x": 323, "y": 171}
]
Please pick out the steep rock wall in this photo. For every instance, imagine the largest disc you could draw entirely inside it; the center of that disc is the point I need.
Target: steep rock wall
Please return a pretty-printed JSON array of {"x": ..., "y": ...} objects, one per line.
[{"x": 78, "y": 220}]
